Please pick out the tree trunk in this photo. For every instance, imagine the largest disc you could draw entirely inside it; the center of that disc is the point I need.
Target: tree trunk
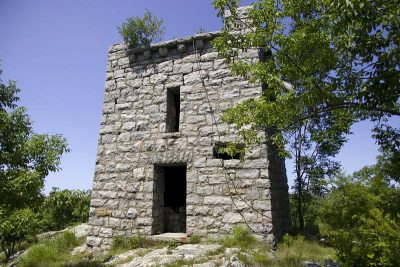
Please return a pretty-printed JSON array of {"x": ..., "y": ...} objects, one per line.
[{"x": 300, "y": 211}]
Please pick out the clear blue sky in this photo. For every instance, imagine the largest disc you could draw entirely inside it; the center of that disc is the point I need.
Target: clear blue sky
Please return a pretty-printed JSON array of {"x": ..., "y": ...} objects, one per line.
[{"x": 57, "y": 52}]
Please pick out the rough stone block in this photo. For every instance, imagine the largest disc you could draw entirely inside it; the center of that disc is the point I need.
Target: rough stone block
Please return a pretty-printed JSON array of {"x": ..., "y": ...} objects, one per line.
[
  {"x": 103, "y": 212},
  {"x": 123, "y": 61},
  {"x": 105, "y": 232},
  {"x": 92, "y": 241},
  {"x": 247, "y": 173},
  {"x": 163, "y": 51},
  {"x": 215, "y": 200},
  {"x": 143, "y": 221},
  {"x": 232, "y": 218},
  {"x": 181, "y": 48},
  {"x": 199, "y": 44},
  {"x": 147, "y": 54}
]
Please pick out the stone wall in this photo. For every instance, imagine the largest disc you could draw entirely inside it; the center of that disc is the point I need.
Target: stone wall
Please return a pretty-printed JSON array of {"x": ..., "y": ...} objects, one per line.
[{"x": 135, "y": 140}]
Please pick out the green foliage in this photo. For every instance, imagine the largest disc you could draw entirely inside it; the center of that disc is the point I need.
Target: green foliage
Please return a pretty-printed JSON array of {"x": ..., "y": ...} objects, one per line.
[
  {"x": 245, "y": 259},
  {"x": 195, "y": 239},
  {"x": 65, "y": 207},
  {"x": 389, "y": 141},
  {"x": 54, "y": 252},
  {"x": 287, "y": 240},
  {"x": 242, "y": 238},
  {"x": 15, "y": 228},
  {"x": 313, "y": 164},
  {"x": 361, "y": 218},
  {"x": 172, "y": 245},
  {"x": 121, "y": 243},
  {"x": 241, "y": 233},
  {"x": 291, "y": 251},
  {"x": 138, "y": 32},
  {"x": 26, "y": 158},
  {"x": 311, "y": 204},
  {"x": 261, "y": 258},
  {"x": 295, "y": 249},
  {"x": 326, "y": 65}
]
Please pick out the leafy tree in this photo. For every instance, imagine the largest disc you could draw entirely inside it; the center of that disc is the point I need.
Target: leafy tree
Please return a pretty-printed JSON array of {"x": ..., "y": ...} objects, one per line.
[
  {"x": 138, "y": 32},
  {"x": 26, "y": 158},
  {"x": 389, "y": 140},
  {"x": 361, "y": 218},
  {"x": 65, "y": 207},
  {"x": 16, "y": 228},
  {"x": 313, "y": 164},
  {"x": 327, "y": 63}
]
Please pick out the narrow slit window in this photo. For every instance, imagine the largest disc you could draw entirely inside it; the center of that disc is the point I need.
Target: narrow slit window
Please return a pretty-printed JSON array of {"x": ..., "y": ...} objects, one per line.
[
  {"x": 173, "y": 109},
  {"x": 219, "y": 151}
]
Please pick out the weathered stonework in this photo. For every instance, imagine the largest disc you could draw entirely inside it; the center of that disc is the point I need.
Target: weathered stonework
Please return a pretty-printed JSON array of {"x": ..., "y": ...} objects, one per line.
[{"x": 141, "y": 140}]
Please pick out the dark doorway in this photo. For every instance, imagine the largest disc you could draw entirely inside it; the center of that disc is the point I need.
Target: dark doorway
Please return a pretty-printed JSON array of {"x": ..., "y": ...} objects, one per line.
[{"x": 169, "y": 207}]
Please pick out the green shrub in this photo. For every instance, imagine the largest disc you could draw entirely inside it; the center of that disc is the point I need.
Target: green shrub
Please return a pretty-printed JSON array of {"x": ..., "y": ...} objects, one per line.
[
  {"x": 310, "y": 212},
  {"x": 16, "y": 227},
  {"x": 64, "y": 208},
  {"x": 361, "y": 220},
  {"x": 242, "y": 233},
  {"x": 242, "y": 237},
  {"x": 119, "y": 242},
  {"x": 53, "y": 252},
  {"x": 138, "y": 32}
]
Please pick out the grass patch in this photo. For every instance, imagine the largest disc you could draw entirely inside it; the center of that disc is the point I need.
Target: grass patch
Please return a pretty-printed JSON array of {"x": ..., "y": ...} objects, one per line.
[
  {"x": 55, "y": 252},
  {"x": 261, "y": 258},
  {"x": 195, "y": 239},
  {"x": 302, "y": 249},
  {"x": 121, "y": 244},
  {"x": 241, "y": 238},
  {"x": 245, "y": 259},
  {"x": 291, "y": 252}
]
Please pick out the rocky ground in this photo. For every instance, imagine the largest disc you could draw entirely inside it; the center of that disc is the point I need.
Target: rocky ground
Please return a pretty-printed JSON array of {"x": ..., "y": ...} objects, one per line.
[
  {"x": 188, "y": 254},
  {"x": 174, "y": 253}
]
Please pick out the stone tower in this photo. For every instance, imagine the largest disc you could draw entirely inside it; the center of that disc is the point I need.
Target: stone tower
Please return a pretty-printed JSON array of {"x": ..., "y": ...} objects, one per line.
[{"x": 160, "y": 167}]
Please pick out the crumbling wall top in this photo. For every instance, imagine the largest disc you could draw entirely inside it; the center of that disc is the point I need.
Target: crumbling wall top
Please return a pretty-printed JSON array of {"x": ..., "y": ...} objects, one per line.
[
  {"x": 181, "y": 45},
  {"x": 166, "y": 44}
]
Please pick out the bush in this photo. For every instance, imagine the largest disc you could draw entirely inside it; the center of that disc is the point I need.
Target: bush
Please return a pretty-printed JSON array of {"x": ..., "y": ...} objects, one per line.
[
  {"x": 242, "y": 237},
  {"x": 16, "y": 228},
  {"x": 362, "y": 222},
  {"x": 310, "y": 212},
  {"x": 64, "y": 208},
  {"x": 138, "y": 32}
]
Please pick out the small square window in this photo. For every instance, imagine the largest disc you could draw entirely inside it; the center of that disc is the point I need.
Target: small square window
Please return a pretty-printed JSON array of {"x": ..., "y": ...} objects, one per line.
[{"x": 220, "y": 153}]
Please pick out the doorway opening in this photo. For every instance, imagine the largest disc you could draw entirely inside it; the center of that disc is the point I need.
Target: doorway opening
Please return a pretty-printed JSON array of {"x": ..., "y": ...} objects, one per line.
[{"x": 169, "y": 200}]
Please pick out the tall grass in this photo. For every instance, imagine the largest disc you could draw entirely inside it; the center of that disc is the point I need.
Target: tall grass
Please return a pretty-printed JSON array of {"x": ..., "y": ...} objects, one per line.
[
  {"x": 292, "y": 251},
  {"x": 48, "y": 253},
  {"x": 241, "y": 238},
  {"x": 55, "y": 253}
]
